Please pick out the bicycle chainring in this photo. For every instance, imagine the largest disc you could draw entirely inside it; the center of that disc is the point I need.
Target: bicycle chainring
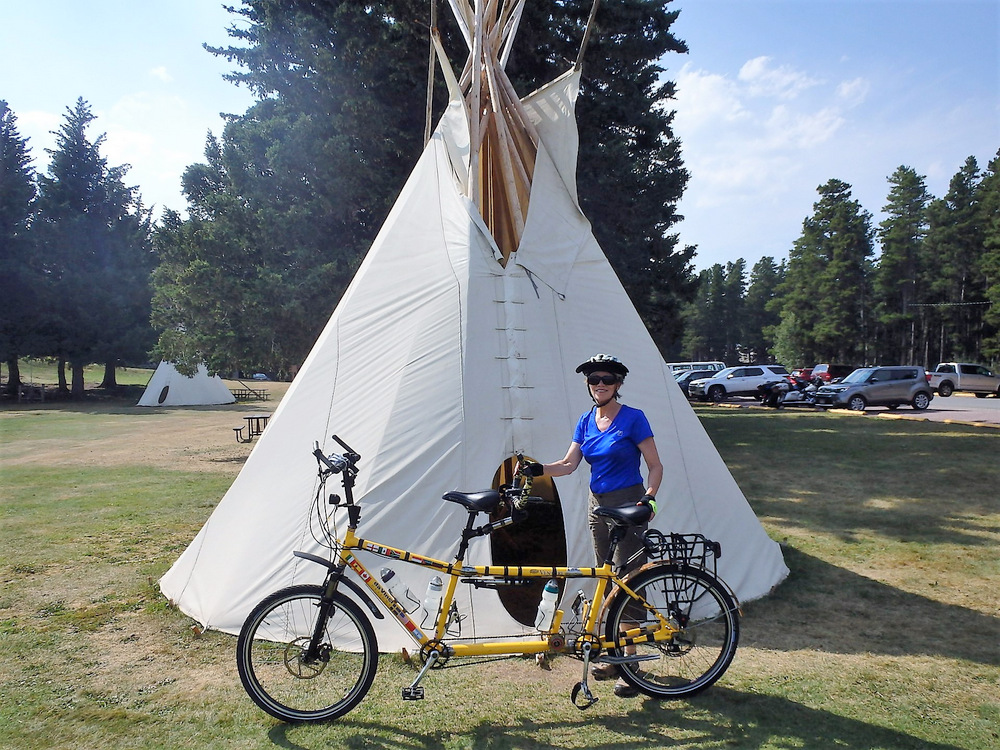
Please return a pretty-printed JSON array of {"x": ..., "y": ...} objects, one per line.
[
  {"x": 595, "y": 645},
  {"x": 432, "y": 645}
]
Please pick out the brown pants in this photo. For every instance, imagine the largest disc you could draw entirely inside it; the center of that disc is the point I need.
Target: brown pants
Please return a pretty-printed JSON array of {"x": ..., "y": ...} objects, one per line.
[{"x": 600, "y": 528}]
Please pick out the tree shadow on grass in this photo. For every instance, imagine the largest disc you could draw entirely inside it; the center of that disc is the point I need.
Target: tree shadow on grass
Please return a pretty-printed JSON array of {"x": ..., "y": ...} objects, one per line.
[
  {"x": 822, "y": 607},
  {"x": 720, "y": 717}
]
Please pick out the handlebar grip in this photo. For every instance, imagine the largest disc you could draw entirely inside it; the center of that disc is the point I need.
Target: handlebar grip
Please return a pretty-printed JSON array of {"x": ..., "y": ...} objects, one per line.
[{"x": 334, "y": 462}]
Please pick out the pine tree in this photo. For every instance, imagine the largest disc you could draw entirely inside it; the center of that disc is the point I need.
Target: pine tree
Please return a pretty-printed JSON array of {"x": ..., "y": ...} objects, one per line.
[
  {"x": 19, "y": 309},
  {"x": 300, "y": 184},
  {"x": 989, "y": 262},
  {"x": 954, "y": 246},
  {"x": 899, "y": 277},
  {"x": 291, "y": 197},
  {"x": 826, "y": 300},
  {"x": 93, "y": 235},
  {"x": 759, "y": 316},
  {"x": 714, "y": 320}
]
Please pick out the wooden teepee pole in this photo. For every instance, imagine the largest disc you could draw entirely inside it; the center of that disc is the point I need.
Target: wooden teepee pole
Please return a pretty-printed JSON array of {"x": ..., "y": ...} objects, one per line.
[
  {"x": 430, "y": 73},
  {"x": 586, "y": 34}
]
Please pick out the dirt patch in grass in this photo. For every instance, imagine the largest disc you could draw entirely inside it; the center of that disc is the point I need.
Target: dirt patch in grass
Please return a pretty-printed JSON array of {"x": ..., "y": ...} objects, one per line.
[{"x": 193, "y": 438}]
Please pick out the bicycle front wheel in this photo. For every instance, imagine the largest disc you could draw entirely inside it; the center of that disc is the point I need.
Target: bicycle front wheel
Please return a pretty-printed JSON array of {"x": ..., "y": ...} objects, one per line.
[
  {"x": 708, "y": 630},
  {"x": 283, "y": 678}
]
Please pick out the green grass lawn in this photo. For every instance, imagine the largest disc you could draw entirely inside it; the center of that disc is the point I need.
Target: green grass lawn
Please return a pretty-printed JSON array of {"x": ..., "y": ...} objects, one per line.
[
  {"x": 885, "y": 635},
  {"x": 40, "y": 371}
]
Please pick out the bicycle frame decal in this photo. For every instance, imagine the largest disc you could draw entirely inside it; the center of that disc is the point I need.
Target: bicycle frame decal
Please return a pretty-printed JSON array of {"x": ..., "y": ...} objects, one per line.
[
  {"x": 393, "y": 553},
  {"x": 395, "y": 608}
]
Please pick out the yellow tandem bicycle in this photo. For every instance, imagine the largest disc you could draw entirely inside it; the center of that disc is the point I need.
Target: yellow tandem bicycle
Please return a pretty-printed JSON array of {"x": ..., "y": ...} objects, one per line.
[{"x": 309, "y": 652}]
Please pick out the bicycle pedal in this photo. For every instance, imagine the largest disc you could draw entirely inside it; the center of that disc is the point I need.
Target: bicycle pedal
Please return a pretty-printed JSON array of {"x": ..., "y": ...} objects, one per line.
[{"x": 413, "y": 693}]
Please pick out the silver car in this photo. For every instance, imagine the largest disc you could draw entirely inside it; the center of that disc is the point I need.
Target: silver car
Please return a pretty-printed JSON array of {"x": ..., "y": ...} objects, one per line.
[
  {"x": 878, "y": 386},
  {"x": 736, "y": 381}
]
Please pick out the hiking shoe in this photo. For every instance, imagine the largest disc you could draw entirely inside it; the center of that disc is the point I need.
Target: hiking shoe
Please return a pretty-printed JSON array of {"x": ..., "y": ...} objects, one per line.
[
  {"x": 604, "y": 672},
  {"x": 624, "y": 690}
]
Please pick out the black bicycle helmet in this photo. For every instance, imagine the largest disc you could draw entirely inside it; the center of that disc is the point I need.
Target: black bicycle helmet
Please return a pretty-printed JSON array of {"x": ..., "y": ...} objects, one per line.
[{"x": 604, "y": 362}]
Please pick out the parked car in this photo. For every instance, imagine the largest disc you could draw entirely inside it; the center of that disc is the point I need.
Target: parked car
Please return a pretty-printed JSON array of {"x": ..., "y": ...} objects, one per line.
[
  {"x": 706, "y": 365},
  {"x": 827, "y": 373},
  {"x": 684, "y": 378},
  {"x": 878, "y": 386},
  {"x": 736, "y": 381},
  {"x": 949, "y": 377}
]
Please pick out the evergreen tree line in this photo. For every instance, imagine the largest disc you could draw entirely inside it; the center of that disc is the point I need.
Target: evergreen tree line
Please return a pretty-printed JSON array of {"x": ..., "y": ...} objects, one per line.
[
  {"x": 75, "y": 255},
  {"x": 293, "y": 194},
  {"x": 932, "y": 294},
  {"x": 290, "y": 197}
]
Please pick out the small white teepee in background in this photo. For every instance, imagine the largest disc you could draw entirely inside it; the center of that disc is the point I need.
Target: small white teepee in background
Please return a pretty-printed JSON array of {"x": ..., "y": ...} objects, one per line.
[
  {"x": 168, "y": 387},
  {"x": 450, "y": 351}
]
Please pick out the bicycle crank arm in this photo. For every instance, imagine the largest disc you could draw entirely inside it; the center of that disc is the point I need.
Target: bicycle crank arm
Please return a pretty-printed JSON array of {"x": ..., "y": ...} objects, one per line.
[
  {"x": 414, "y": 692},
  {"x": 582, "y": 686}
]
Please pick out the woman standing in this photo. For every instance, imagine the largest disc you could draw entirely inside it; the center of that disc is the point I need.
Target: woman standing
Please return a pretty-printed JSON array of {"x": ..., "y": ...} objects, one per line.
[{"x": 612, "y": 437}]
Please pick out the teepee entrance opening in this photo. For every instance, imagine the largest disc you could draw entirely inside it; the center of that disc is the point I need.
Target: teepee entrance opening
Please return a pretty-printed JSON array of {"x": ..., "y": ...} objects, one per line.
[{"x": 538, "y": 540}]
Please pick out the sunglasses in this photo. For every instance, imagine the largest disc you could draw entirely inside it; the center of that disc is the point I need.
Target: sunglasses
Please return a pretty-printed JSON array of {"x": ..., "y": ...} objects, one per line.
[{"x": 606, "y": 379}]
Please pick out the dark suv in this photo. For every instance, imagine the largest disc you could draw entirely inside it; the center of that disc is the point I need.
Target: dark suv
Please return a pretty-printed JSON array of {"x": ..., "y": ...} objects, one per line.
[
  {"x": 827, "y": 373},
  {"x": 878, "y": 386}
]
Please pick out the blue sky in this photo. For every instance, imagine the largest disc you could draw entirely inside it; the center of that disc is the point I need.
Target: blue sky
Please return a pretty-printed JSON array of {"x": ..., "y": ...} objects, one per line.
[
  {"x": 779, "y": 96},
  {"x": 775, "y": 98}
]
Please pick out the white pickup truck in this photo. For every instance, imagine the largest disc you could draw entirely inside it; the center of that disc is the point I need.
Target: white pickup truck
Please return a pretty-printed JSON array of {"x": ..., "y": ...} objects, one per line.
[{"x": 949, "y": 377}]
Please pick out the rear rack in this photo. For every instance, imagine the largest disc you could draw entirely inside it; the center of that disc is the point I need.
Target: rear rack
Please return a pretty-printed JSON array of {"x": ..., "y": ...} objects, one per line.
[{"x": 695, "y": 550}]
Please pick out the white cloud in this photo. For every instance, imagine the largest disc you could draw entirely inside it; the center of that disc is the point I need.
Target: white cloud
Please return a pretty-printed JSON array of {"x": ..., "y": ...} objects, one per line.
[
  {"x": 707, "y": 98},
  {"x": 781, "y": 82},
  {"x": 787, "y": 128},
  {"x": 161, "y": 73},
  {"x": 744, "y": 138},
  {"x": 854, "y": 92},
  {"x": 757, "y": 145}
]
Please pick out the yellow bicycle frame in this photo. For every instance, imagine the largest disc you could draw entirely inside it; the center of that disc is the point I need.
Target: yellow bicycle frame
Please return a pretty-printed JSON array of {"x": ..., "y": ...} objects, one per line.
[{"x": 660, "y": 630}]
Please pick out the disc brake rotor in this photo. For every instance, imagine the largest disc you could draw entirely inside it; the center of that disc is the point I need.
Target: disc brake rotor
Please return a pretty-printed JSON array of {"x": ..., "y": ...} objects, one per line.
[{"x": 298, "y": 665}]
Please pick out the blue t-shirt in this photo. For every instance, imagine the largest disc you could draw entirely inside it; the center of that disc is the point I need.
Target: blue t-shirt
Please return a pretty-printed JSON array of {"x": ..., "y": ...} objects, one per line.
[{"x": 614, "y": 454}]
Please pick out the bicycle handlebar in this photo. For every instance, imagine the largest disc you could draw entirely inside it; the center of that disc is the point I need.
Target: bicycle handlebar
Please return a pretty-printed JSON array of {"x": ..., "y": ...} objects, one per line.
[{"x": 336, "y": 462}]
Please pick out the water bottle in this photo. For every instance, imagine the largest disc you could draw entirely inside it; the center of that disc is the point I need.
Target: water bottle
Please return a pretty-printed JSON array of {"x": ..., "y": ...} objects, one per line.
[
  {"x": 398, "y": 589},
  {"x": 432, "y": 600},
  {"x": 547, "y": 606}
]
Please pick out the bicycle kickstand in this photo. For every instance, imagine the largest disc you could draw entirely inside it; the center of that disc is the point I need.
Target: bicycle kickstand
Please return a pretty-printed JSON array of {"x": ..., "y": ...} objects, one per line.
[
  {"x": 415, "y": 691},
  {"x": 582, "y": 686}
]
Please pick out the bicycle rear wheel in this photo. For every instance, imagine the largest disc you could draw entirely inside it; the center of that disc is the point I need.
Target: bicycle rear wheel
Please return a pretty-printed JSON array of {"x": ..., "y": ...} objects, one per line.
[
  {"x": 277, "y": 673},
  {"x": 701, "y": 608}
]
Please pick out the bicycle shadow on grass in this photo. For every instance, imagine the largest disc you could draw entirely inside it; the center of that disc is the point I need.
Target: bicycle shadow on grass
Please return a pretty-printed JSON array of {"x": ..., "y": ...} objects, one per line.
[
  {"x": 820, "y": 605},
  {"x": 720, "y": 717}
]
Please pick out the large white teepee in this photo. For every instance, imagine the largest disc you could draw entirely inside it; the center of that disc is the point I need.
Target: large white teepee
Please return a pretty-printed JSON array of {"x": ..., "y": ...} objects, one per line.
[
  {"x": 442, "y": 360},
  {"x": 168, "y": 387}
]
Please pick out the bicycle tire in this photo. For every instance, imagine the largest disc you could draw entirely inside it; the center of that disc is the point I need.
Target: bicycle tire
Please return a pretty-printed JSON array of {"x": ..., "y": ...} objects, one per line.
[
  {"x": 697, "y": 656},
  {"x": 270, "y": 650}
]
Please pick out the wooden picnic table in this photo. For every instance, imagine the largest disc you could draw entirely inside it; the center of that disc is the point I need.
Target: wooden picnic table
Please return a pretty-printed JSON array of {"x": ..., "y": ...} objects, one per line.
[
  {"x": 255, "y": 424},
  {"x": 246, "y": 394}
]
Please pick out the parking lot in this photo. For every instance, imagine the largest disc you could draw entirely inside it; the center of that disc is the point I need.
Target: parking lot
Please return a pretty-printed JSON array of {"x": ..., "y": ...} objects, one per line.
[
  {"x": 960, "y": 407},
  {"x": 955, "y": 408}
]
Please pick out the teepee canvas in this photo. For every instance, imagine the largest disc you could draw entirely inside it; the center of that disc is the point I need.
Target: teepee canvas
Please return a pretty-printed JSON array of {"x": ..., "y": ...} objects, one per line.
[
  {"x": 168, "y": 387},
  {"x": 448, "y": 353}
]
